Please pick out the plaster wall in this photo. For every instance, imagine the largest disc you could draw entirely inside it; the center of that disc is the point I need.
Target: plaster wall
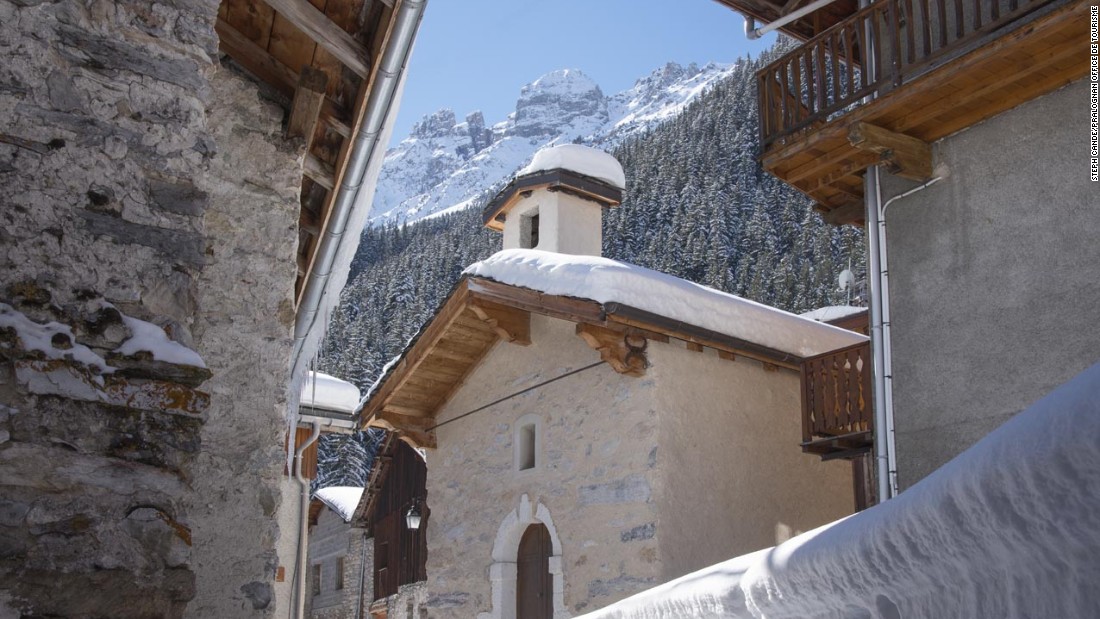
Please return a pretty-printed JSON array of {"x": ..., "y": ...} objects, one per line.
[
  {"x": 567, "y": 224},
  {"x": 993, "y": 277},
  {"x": 734, "y": 478},
  {"x": 595, "y": 476},
  {"x": 138, "y": 171},
  {"x": 288, "y": 516}
]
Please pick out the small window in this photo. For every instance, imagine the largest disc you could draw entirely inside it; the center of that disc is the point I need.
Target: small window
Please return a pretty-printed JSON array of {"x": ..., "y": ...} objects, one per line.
[
  {"x": 316, "y": 579},
  {"x": 527, "y": 447},
  {"x": 339, "y": 573},
  {"x": 528, "y": 443},
  {"x": 529, "y": 230}
]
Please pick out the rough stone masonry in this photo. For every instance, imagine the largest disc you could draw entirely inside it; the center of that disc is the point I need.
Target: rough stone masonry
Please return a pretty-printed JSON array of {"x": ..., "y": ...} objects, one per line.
[{"x": 142, "y": 180}]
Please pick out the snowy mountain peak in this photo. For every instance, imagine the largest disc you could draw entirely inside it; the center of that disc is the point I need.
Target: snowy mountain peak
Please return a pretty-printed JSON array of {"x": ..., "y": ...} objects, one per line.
[
  {"x": 445, "y": 164},
  {"x": 559, "y": 102},
  {"x": 436, "y": 125}
]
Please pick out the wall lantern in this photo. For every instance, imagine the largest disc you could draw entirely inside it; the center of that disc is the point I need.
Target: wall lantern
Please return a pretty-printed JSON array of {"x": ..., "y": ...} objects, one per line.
[{"x": 412, "y": 518}]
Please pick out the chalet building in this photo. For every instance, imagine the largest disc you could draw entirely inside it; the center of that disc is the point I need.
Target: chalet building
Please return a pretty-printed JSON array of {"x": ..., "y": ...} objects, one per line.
[
  {"x": 594, "y": 428},
  {"x": 958, "y": 133},
  {"x": 367, "y": 546},
  {"x": 178, "y": 179}
]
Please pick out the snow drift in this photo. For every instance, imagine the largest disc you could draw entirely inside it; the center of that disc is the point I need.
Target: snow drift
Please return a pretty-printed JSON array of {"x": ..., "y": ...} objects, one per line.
[{"x": 1008, "y": 529}]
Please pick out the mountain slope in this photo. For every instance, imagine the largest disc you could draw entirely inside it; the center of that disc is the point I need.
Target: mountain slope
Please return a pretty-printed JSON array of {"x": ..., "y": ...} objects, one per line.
[{"x": 445, "y": 164}]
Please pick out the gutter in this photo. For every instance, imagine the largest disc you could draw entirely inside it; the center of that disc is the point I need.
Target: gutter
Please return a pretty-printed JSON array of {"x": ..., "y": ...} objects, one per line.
[
  {"x": 366, "y": 149},
  {"x": 753, "y": 33}
]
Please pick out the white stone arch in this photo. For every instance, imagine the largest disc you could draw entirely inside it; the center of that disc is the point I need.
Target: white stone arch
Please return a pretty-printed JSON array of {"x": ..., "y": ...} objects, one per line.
[{"x": 502, "y": 572}]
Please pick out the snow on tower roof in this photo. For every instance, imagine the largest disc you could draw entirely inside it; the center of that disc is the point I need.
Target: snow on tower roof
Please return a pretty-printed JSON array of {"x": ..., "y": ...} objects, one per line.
[
  {"x": 608, "y": 281},
  {"x": 341, "y": 499},
  {"x": 832, "y": 312},
  {"x": 1008, "y": 528},
  {"x": 330, "y": 393},
  {"x": 580, "y": 159}
]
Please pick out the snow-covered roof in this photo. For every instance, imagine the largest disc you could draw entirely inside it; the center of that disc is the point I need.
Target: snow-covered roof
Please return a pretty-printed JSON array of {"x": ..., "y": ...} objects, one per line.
[
  {"x": 330, "y": 393},
  {"x": 341, "y": 499},
  {"x": 580, "y": 159},
  {"x": 832, "y": 312},
  {"x": 1009, "y": 528},
  {"x": 607, "y": 281}
]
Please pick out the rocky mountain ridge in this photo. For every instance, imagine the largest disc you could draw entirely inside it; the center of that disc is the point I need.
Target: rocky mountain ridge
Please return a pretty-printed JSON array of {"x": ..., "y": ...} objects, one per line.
[{"x": 445, "y": 165}]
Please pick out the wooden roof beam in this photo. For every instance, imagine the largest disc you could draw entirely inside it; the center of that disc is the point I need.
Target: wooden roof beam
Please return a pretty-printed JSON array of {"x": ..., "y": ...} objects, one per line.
[
  {"x": 511, "y": 324},
  {"x": 266, "y": 67},
  {"x": 903, "y": 155},
  {"x": 305, "y": 110},
  {"x": 319, "y": 171},
  {"x": 416, "y": 431},
  {"x": 624, "y": 351},
  {"x": 327, "y": 33}
]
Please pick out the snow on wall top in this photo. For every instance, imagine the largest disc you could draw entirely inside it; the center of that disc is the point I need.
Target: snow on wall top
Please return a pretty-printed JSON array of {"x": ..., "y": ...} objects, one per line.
[
  {"x": 580, "y": 159},
  {"x": 832, "y": 312},
  {"x": 607, "y": 281},
  {"x": 341, "y": 499},
  {"x": 144, "y": 337},
  {"x": 330, "y": 393},
  {"x": 1009, "y": 528}
]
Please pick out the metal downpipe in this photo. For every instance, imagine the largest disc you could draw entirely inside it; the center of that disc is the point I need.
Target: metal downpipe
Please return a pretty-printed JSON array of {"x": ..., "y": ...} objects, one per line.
[
  {"x": 366, "y": 147},
  {"x": 303, "y": 526}
]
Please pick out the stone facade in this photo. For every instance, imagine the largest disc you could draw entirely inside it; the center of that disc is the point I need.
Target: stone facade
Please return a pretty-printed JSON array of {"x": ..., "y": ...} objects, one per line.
[
  {"x": 139, "y": 172},
  {"x": 335, "y": 544},
  {"x": 638, "y": 480},
  {"x": 992, "y": 277}
]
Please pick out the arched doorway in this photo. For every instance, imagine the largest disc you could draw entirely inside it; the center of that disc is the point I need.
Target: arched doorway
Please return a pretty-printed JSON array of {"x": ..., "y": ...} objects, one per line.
[{"x": 534, "y": 584}]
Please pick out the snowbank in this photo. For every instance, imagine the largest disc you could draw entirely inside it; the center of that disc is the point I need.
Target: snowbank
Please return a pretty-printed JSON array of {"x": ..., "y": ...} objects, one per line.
[
  {"x": 606, "y": 281},
  {"x": 330, "y": 393},
  {"x": 341, "y": 499},
  {"x": 1009, "y": 528},
  {"x": 580, "y": 159}
]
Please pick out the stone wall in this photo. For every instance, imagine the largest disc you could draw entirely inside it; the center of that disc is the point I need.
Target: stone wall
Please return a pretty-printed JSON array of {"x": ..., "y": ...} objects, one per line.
[
  {"x": 331, "y": 540},
  {"x": 141, "y": 181},
  {"x": 992, "y": 277},
  {"x": 595, "y": 478}
]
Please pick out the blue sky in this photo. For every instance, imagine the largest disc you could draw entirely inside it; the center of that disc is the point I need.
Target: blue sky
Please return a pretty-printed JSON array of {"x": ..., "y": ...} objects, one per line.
[{"x": 477, "y": 54}]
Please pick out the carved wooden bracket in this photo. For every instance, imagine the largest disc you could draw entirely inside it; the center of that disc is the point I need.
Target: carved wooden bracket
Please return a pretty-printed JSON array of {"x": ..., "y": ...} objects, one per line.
[
  {"x": 902, "y": 155},
  {"x": 622, "y": 350},
  {"x": 416, "y": 431},
  {"x": 511, "y": 324}
]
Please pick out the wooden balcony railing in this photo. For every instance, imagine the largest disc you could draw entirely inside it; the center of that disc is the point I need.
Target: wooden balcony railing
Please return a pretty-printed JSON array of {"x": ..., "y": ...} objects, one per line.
[
  {"x": 906, "y": 38},
  {"x": 837, "y": 411}
]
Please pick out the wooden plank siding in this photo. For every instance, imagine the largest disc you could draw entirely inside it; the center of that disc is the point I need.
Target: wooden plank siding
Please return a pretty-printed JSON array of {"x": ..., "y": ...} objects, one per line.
[{"x": 400, "y": 554}]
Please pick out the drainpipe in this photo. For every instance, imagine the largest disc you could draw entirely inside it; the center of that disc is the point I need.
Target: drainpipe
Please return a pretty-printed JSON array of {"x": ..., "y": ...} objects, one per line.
[
  {"x": 365, "y": 150},
  {"x": 753, "y": 33},
  {"x": 303, "y": 527},
  {"x": 362, "y": 577},
  {"x": 872, "y": 201},
  {"x": 881, "y": 276}
]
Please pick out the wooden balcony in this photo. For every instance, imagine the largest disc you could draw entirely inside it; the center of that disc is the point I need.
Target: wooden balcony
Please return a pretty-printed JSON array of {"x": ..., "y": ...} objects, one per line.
[
  {"x": 837, "y": 411},
  {"x": 943, "y": 65}
]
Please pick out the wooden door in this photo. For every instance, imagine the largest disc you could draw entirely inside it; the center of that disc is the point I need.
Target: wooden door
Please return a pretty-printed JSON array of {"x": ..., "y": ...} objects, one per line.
[{"x": 533, "y": 583}]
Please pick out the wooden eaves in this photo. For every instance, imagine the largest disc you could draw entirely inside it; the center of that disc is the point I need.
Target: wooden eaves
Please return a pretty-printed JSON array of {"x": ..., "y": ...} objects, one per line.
[
  {"x": 480, "y": 312},
  {"x": 322, "y": 57},
  {"x": 563, "y": 180}
]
